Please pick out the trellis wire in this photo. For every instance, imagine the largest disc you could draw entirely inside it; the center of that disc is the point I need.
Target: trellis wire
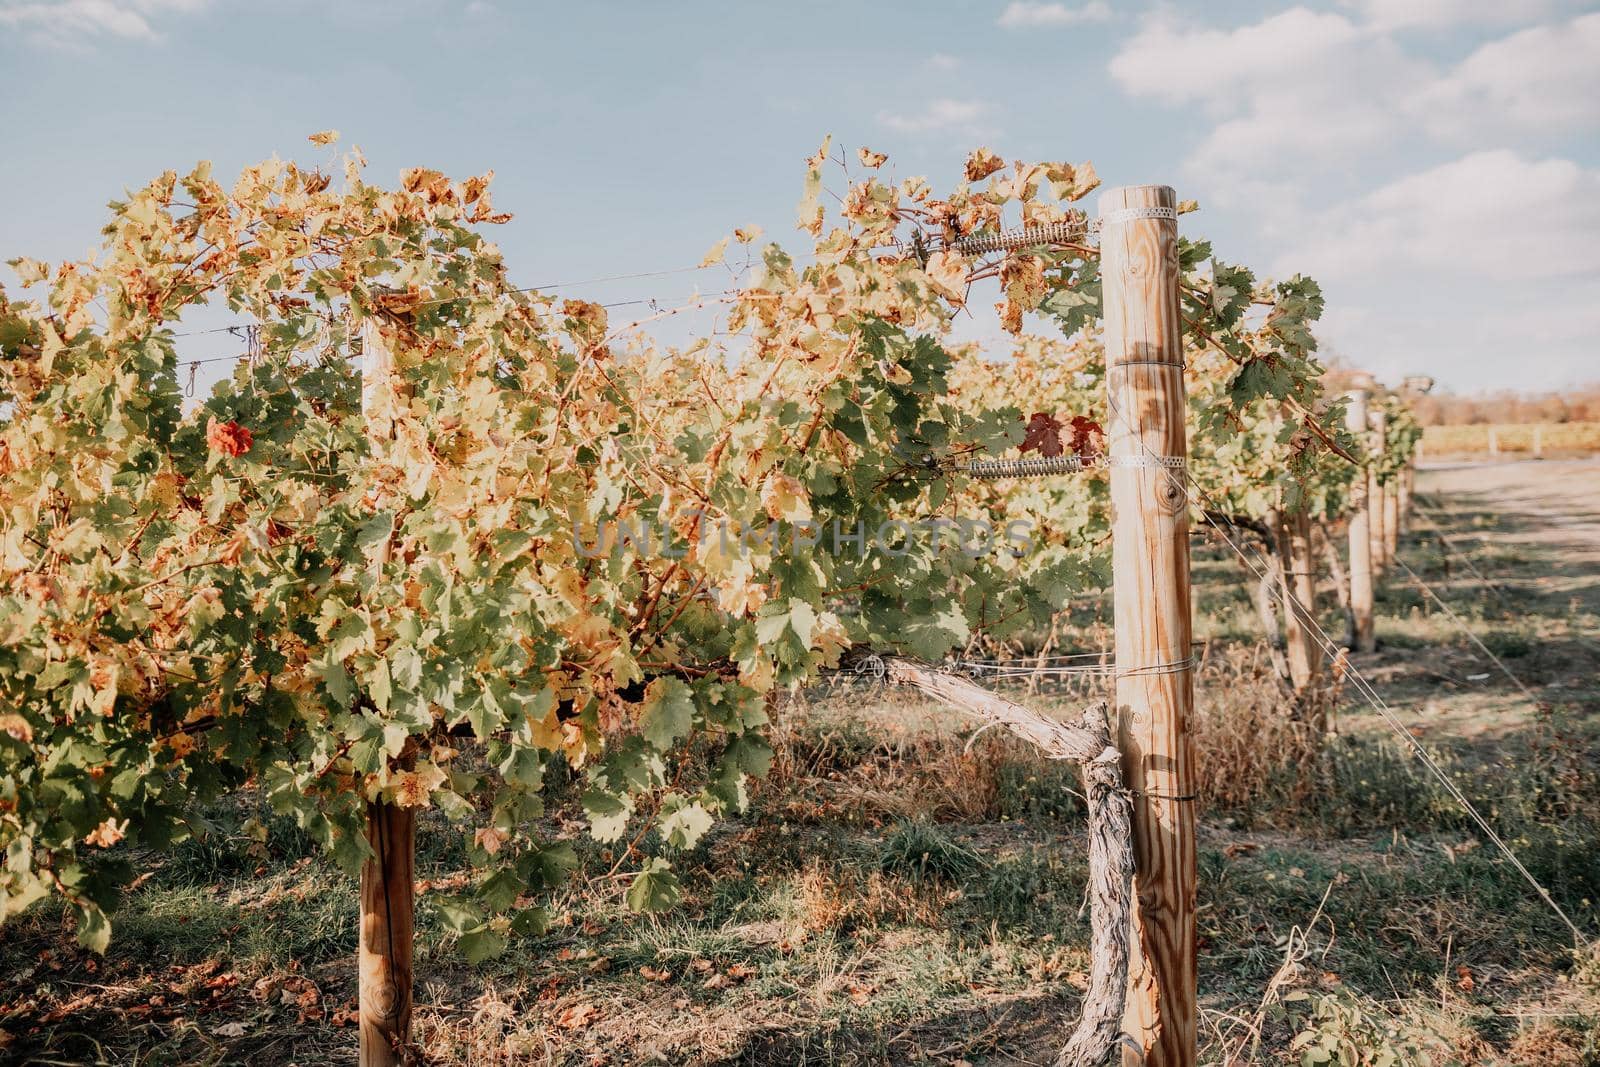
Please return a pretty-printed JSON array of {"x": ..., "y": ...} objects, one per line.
[
  {"x": 521, "y": 289},
  {"x": 1465, "y": 557},
  {"x": 1462, "y": 626},
  {"x": 1360, "y": 683},
  {"x": 1459, "y": 553}
]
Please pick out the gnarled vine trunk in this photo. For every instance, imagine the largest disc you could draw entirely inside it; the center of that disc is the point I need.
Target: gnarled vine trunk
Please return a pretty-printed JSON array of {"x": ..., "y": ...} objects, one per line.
[{"x": 1088, "y": 743}]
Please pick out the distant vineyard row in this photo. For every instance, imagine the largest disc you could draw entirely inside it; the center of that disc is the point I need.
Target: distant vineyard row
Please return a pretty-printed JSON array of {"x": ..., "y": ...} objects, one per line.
[{"x": 1529, "y": 438}]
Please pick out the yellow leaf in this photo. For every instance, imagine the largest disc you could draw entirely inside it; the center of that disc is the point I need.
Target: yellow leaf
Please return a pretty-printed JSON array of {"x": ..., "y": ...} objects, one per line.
[
  {"x": 785, "y": 498},
  {"x": 713, "y": 257},
  {"x": 490, "y": 839},
  {"x": 324, "y": 137},
  {"x": 412, "y": 789},
  {"x": 981, "y": 164},
  {"x": 948, "y": 272}
]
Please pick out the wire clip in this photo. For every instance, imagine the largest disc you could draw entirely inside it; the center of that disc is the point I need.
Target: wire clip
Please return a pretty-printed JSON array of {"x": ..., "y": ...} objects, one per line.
[
  {"x": 1148, "y": 461},
  {"x": 1133, "y": 214}
]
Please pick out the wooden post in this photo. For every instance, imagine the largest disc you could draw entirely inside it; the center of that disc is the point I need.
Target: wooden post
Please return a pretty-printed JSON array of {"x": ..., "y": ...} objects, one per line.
[
  {"x": 1408, "y": 477},
  {"x": 1538, "y": 441},
  {"x": 384, "y": 958},
  {"x": 1360, "y": 533},
  {"x": 1378, "y": 422},
  {"x": 388, "y": 883},
  {"x": 1300, "y": 601},
  {"x": 1494, "y": 442},
  {"x": 1154, "y": 636},
  {"x": 1391, "y": 519},
  {"x": 1340, "y": 575}
]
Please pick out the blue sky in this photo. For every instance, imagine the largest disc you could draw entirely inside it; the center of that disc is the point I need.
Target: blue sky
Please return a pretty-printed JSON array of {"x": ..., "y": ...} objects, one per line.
[{"x": 1435, "y": 163}]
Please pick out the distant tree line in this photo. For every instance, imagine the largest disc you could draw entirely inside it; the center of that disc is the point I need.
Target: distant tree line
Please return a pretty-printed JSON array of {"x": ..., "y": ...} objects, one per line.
[{"x": 1581, "y": 404}]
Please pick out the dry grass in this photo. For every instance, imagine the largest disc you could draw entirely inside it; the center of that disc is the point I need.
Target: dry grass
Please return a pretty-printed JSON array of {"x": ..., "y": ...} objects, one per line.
[
  {"x": 1256, "y": 743},
  {"x": 1567, "y": 438}
]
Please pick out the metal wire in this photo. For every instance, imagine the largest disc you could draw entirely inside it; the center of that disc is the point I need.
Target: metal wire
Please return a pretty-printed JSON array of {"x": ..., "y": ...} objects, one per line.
[{"x": 1361, "y": 685}]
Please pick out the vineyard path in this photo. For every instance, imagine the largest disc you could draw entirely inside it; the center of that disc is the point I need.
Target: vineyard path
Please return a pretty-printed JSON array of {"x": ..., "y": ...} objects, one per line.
[{"x": 1533, "y": 530}]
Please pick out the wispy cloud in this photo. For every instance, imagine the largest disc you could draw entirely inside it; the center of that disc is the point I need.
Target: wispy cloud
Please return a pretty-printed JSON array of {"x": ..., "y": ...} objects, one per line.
[
  {"x": 1448, "y": 14},
  {"x": 954, "y": 115},
  {"x": 78, "y": 23},
  {"x": 1444, "y": 220},
  {"x": 1021, "y": 14},
  {"x": 1542, "y": 79},
  {"x": 943, "y": 61},
  {"x": 1279, "y": 91},
  {"x": 1361, "y": 158}
]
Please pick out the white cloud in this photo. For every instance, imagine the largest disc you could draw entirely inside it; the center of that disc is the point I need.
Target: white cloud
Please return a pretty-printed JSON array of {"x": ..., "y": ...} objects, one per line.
[
  {"x": 1306, "y": 89},
  {"x": 943, "y": 61},
  {"x": 1542, "y": 79},
  {"x": 1442, "y": 14},
  {"x": 1023, "y": 14},
  {"x": 1177, "y": 64},
  {"x": 1298, "y": 88},
  {"x": 938, "y": 115},
  {"x": 77, "y": 22},
  {"x": 1488, "y": 213},
  {"x": 1480, "y": 270},
  {"x": 1438, "y": 200}
]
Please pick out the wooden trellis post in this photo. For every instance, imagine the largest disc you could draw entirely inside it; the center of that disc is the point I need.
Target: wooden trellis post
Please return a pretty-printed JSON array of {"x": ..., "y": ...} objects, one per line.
[
  {"x": 1408, "y": 478},
  {"x": 388, "y": 879},
  {"x": 1391, "y": 518},
  {"x": 1378, "y": 424},
  {"x": 1300, "y": 600},
  {"x": 1360, "y": 533},
  {"x": 1150, "y": 559}
]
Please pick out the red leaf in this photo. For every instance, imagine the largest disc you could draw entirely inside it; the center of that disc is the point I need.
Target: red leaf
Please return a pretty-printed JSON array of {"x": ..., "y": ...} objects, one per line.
[
  {"x": 1088, "y": 436},
  {"x": 1042, "y": 435},
  {"x": 228, "y": 437}
]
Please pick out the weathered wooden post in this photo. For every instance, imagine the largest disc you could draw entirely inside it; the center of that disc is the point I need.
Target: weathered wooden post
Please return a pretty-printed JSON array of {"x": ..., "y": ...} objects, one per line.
[
  {"x": 1150, "y": 559},
  {"x": 1538, "y": 441},
  {"x": 1378, "y": 424},
  {"x": 1494, "y": 442},
  {"x": 388, "y": 881},
  {"x": 1391, "y": 517},
  {"x": 1360, "y": 531},
  {"x": 1300, "y": 608},
  {"x": 1408, "y": 479}
]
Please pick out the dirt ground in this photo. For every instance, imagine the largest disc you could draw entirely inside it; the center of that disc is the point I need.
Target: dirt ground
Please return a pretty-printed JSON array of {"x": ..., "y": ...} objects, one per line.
[{"x": 1548, "y": 509}]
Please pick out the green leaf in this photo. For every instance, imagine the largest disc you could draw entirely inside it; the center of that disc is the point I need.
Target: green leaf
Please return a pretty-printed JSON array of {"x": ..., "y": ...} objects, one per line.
[
  {"x": 530, "y": 922},
  {"x": 608, "y": 812},
  {"x": 482, "y": 944},
  {"x": 655, "y": 888},
  {"x": 684, "y": 822},
  {"x": 458, "y": 915},
  {"x": 668, "y": 712},
  {"x": 94, "y": 928}
]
